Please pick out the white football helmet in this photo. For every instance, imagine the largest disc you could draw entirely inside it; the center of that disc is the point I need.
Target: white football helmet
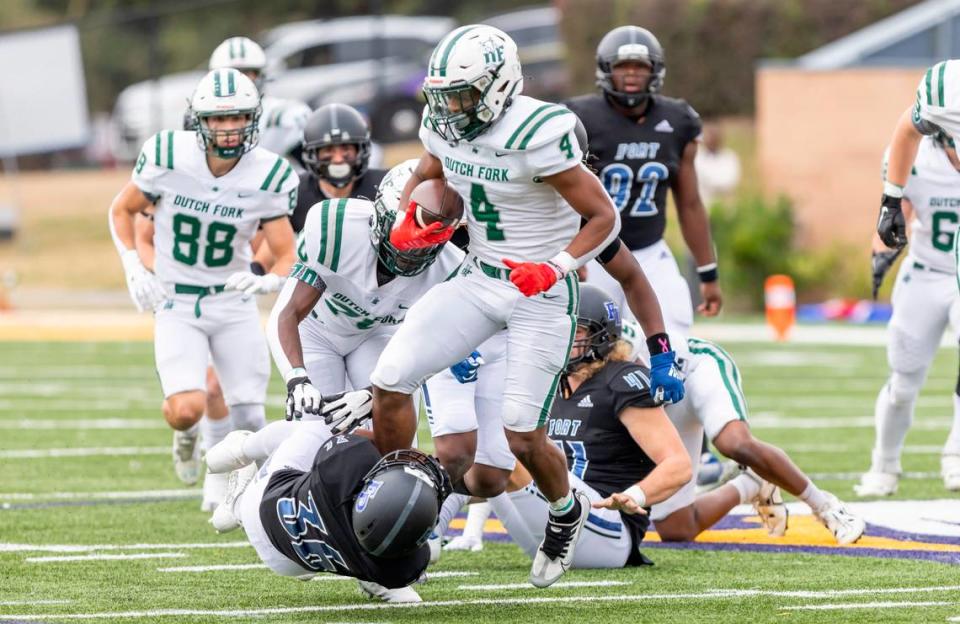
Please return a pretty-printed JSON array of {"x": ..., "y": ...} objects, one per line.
[
  {"x": 243, "y": 54},
  {"x": 226, "y": 92},
  {"x": 473, "y": 76}
]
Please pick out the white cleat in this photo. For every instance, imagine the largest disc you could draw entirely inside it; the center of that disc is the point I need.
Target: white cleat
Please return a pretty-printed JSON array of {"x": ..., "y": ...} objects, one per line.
[
  {"x": 555, "y": 553},
  {"x": 186, "y": 456},
  {"x": 214, "y": 491},
  {"x": 877, "y": 484},
  {"x": 227, "y": 455},
  {"x": 846, "y": 526},
  {"x": 770, "y": 506},
  {"x": 225, "y": 518},
  {"x": 950, "y": 471},
  {"x": 435, "y": 542},
  {"x": 465, "y": 542},
  {"x": 400, "y": 594}
]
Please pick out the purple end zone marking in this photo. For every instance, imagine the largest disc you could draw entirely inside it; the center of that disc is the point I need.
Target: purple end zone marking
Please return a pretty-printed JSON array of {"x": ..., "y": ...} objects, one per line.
[{"x": 739, "y": 522}]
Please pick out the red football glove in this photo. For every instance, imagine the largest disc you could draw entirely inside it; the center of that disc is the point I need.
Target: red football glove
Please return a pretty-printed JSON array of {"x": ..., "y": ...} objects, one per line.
[
  {"x": 410, "y": 236},
  {"x": 532, "y": 277}
]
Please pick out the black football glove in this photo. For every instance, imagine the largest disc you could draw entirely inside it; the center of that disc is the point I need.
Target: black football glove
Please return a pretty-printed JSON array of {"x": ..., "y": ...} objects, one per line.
[
  {"x": 891, "y": 226},
  {"x": 880, "y": 263}
]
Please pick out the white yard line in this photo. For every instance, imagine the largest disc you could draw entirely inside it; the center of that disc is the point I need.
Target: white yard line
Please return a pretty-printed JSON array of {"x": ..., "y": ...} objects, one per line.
[
  {"x": 835, "y": 593},
  {"x": 867, "y": 605},
  {"x": 560, "y": 585},
  {"x": 44, "y": 424},
  {"x": 98, "y": 451},
  {"x": 102, "y": 557},
  {"x": 81, "y": 548},
  {"x": 215, "y": 568},
  {"x": 132, "y": 494}
]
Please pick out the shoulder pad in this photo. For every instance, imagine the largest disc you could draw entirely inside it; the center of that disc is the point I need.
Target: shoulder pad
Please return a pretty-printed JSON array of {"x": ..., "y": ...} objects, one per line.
[
  {"x": 544, "y": 124},
  {"x": 630, "y": 377},
  {"x": 326, "y": 225},
  {"x": 158, "y": 150},
  {"x": 277, "y": 173}
]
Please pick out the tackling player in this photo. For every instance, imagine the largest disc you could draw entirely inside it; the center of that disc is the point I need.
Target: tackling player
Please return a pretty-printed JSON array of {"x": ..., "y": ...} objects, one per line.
[
  {"x": 925, "y": 300},
  {"x": 208, "y": 204},
  {"x": 331, "y": 503},
  {"x": 643, "y": 144},
  {"x": 517, "y": 162}
]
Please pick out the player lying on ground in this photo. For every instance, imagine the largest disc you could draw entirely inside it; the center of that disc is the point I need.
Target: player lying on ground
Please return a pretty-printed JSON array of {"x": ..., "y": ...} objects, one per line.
[
  {"x": 208, "y": 205},
  {"x": 925, "y": 299},
  {"x": 353, "y": 286},
  {"x": 324, "y": 502}
]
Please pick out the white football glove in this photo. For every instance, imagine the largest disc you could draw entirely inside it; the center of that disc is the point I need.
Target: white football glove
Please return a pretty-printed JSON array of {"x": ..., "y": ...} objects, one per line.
[
  {"x": 345, "y": 411},
  {"x": 250, "y": 284},
  {"x": 302, "y": 397},
  {"x": 145, "y": 289}
]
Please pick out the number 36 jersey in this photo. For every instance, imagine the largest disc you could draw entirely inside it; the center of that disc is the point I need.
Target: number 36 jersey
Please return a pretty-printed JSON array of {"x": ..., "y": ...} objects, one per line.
[
  {"x": 638, "y": 162},
  {"x": 510, "y": 211},
  {"x": 204, "y": 224}
]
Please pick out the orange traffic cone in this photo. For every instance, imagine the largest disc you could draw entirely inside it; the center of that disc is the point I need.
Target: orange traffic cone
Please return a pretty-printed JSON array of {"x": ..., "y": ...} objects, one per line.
[{"x": 781, "y": 304}]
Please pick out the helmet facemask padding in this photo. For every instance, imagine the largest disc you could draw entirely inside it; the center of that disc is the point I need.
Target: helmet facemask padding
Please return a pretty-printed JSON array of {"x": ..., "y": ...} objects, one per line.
[{"x": 207, "y": 137}]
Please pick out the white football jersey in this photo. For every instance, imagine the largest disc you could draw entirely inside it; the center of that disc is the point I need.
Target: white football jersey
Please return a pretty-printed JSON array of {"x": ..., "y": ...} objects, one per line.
[
  {"x": 204, "y": 224},
  {"x": 335, "y": 247},
  {"x": 933, "y": 189},
  {"x": 510, "y": 212},
  {"x": 281, "y": 124},
  {"x": 938, "y": 97}
]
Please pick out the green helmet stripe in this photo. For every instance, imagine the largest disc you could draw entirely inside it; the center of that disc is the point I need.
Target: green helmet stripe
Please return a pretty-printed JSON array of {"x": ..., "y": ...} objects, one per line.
[
  {"x": 170, "y": 149},
  {"x": 454, "y": 37},
  {"x": 156, "y": 147},
  {"x": 940, "y": 76},
  {"x": 243, "y": 48},
  {"x": 273, "y": 172},
  {"x": 338, "y": 234},
  {"x": 543, "y": 120},
  {"x": 516, "y": 133},
  {"x": 928, "y": 80},
  {"x": 230, "y": 48},
  {"x": 231, "y": 84},
  {"x": 216, "y": 84}
]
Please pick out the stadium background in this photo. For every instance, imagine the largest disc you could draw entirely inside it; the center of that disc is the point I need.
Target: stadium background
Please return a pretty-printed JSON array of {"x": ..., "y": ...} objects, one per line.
[{"x": 93, "y": 524}]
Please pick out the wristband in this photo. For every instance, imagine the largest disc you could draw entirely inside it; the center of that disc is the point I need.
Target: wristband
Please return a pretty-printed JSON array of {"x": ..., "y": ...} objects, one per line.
[
  {"x": 892, "y": 190},
  {"x": 707, "y": 273},
  {"x": 658, "y": 343},
  {"x": 293, "y": 373},
  {"x": 637, "y": 494},
  {"x": 257, "y": 269},
  {"x": 563, "y": 262}
]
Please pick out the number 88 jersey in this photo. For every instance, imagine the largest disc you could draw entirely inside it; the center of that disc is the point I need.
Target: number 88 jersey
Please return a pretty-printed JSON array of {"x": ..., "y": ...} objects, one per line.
[
  {"x": 638, "y": 161},
  {"x": 204, "y": 224}
]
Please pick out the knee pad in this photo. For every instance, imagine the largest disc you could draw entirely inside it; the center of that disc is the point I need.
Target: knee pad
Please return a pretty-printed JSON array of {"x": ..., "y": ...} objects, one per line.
[
  {"x": 390, "y": 374},
  {"x": 904, "y": 387},
  {"x": 248, "y": 417},
  {"x": 519, "y": 417}
]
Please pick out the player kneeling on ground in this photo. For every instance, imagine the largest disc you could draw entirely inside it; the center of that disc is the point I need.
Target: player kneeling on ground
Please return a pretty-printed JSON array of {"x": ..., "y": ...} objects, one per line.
[
  {"x": 623, "y": 452},
  {"x": 331, "y": 503}
]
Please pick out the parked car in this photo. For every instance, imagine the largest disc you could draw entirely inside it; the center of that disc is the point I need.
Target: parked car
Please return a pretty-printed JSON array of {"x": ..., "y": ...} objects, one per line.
[{"x": 375, "y": 63}]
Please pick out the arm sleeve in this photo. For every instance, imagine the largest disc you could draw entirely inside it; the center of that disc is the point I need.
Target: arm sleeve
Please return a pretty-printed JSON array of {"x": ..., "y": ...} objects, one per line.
[
  {"x": 631, "y": 388},
  {"x": 930, "y": 110},
  {"x": 152, "y": 165}
]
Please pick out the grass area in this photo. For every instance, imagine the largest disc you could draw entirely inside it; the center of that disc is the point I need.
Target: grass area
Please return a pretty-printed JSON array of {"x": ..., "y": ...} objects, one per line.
[{"x": 105, "y": 395}]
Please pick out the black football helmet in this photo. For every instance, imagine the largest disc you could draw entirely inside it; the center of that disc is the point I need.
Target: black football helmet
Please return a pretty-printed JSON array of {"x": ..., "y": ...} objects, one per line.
[
  {"x": 600, "y": 315},
  {"x": 399, "y": 502},
  {"x": 630, "y": 43},
  {"x": 336, "y": 124}
]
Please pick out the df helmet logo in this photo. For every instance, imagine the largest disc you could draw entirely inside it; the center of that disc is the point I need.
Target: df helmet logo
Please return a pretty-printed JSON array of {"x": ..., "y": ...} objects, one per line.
[{"x": 492, "y": 52}]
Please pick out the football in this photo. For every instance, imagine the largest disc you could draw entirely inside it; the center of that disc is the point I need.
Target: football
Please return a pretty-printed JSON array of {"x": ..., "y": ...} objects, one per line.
[{"x": 437, "y": 201}]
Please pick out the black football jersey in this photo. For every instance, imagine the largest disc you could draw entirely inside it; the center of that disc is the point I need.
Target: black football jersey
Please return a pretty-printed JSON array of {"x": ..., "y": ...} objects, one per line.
[
  {"x": 599, "y": 448},
  {"x": 638, "y": 162},
  {"x": 310, "y": 194},
  {"x": 308, "y": 516}
]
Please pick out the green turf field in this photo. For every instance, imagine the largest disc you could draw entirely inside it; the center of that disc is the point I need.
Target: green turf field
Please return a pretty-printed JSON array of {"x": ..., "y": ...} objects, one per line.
[{"x": 94, "y": 524}]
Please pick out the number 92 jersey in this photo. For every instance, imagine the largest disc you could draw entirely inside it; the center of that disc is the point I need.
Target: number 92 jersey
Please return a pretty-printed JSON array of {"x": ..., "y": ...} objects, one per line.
[
  {"x": 510, "y": 211},
  {"x": 203, "y": 223},
  {"x": 637, "y": 162}
]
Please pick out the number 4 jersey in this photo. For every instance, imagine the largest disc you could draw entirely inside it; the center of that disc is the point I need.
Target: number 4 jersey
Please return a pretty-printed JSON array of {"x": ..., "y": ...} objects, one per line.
[
  {"x": 510, "y": 211},
  {"x": 638, "y": 161},
  {"x": 204, "y": 224}
]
